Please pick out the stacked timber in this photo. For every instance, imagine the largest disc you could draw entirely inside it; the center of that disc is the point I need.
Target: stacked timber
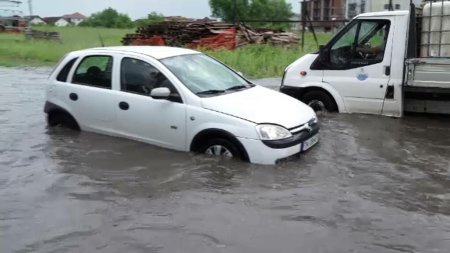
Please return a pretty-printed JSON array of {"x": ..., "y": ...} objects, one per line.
[
  {"x": 247, "y": 35},
  {"x": 173, "y": 33},
  {"x": 206, "y": 33},
  {"x": 41, "y": 35}
]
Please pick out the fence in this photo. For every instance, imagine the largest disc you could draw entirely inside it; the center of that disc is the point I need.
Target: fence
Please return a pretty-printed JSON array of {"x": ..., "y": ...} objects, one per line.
[{"x": 302, "y": 26}]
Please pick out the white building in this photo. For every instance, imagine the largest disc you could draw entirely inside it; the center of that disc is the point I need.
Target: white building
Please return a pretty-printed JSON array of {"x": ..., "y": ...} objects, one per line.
[
  {"x": 36, "y": 20},
  {"x": 75, "y": 18},
  {"x": 57, "y": 21},
  {"x": 70, "y": 19},
  {"x": 62, "y": 22},
  {"x": 355, "y": 7}
]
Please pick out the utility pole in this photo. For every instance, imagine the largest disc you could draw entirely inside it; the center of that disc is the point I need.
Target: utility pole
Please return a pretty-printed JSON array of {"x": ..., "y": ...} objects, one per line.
[
  {"x": 234, "y": 12},
  {"x": 303, "y": 18},
  {"x": 30, "y": 7},
  {"x": 391, "y": 6}
]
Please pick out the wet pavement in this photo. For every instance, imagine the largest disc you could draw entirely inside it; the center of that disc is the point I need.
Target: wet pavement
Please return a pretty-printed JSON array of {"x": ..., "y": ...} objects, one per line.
[{"x": 373, "y": 184}]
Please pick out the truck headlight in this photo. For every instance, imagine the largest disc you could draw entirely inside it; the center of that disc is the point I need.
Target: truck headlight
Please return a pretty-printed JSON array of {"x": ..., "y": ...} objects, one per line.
[{"x": 272, "y": 132}]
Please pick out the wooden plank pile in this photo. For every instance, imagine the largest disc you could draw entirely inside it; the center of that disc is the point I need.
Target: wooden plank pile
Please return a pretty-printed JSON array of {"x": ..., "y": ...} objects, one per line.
[
  {"x": 247, "y": 35},
  {"x": 206, "y": 33},
  {"x": 41, "y": 35}
]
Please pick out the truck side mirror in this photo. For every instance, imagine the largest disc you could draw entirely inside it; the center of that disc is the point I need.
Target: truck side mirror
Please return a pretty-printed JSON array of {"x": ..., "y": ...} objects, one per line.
[
  {"x": 324, "y": 53},
  {"x": 322, "y": 59}
]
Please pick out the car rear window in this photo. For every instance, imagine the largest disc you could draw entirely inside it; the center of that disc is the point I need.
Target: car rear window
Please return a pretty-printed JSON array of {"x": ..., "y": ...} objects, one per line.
[
  {"x": 64, "y": 73},
  {"x": 95, "y": 70}
]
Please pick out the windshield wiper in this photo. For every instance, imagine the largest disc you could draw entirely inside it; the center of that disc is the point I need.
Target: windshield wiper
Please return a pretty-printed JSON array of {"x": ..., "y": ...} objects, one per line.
[
  {"x": 237, "y": 87},
  {"x": 210, "y": 92}
]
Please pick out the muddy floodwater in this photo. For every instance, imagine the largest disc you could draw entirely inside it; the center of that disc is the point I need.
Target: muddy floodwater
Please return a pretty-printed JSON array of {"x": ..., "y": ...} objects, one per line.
[{"x": 373, "y": 184}]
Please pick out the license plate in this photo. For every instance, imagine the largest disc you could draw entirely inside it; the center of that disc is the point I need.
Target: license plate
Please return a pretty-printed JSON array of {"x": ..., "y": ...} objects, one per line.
[{"x": 310, "y": 142}]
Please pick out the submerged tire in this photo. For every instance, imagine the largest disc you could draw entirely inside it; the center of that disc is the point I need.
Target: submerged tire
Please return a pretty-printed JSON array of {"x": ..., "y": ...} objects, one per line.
[
  {"x": 222, "y": 148},
  {"x": 63, "y": 119},
  {"x": 320, "y": 101}
]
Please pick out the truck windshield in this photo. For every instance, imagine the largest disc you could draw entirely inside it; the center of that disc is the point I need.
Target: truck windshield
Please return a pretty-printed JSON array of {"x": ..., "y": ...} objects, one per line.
[{"x": 203, "y": 75}]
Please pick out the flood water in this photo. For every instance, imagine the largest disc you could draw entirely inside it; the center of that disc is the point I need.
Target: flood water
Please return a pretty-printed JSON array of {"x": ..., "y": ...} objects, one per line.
[{"x": 373, "y": 184}]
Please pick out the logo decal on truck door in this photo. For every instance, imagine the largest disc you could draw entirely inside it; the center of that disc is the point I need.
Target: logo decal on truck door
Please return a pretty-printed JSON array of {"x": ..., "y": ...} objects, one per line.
[{"x": 362, "y": 76}]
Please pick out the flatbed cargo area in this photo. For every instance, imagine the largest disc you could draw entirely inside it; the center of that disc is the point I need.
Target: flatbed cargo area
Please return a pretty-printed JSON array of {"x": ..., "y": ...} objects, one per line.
[{"x": 428, "y": 72}]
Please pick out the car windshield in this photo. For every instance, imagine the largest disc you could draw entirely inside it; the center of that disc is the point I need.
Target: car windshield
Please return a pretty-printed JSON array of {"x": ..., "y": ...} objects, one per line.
[{"x": 205, "y": 76}]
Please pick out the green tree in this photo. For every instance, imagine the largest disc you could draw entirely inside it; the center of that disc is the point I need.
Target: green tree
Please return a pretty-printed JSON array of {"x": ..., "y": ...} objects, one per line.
[
  {"x": 152, "y": 18},
  {"x": 109, "y": 18},
  {"x": 253, "y": 10}
]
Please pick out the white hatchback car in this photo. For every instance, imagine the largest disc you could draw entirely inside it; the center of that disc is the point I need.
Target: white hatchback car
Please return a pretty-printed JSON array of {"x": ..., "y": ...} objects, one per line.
[{"x": 179, "y": 99}]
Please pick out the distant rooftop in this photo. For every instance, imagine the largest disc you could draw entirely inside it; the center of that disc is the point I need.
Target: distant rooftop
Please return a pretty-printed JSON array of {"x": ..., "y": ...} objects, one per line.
[{"x": 75, "y": 15}]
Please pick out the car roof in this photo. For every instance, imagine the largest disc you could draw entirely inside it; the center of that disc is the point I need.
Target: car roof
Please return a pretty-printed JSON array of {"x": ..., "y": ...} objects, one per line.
[
  {"x": 384, "y": 13},
  {"x": 158, "y": 52}
]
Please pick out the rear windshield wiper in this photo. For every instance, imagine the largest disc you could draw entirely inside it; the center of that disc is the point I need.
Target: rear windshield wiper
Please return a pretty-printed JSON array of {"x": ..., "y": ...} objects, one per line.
[{"x": 210, "y": 92}]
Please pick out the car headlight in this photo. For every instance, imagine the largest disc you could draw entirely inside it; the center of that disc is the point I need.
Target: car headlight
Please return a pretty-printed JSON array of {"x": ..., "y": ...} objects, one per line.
[{"x": 272, "y": 132}]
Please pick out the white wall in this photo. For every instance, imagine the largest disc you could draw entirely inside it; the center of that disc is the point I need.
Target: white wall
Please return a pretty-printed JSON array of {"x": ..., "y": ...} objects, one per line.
[
  {"x": 76, "y": 21},
  {"x": 37, "y": 21},
  {"x": 379, "y": 5},
  {"x": 61, "y": 22}
]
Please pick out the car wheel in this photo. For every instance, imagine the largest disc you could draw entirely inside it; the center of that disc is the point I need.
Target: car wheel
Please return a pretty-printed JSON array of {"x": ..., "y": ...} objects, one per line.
[
  {"x": 319, "y": 101},
  {"x": 64, "y": 119},
  {"x": 222, "y": 148}
]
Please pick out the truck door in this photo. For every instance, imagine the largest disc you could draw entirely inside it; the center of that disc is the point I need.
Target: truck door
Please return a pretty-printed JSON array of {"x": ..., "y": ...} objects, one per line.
[{"x": 359, "y": 62}]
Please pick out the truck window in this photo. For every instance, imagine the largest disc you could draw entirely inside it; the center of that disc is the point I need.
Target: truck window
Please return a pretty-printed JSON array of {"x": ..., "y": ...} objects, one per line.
[{"x": 362, "y": 44}]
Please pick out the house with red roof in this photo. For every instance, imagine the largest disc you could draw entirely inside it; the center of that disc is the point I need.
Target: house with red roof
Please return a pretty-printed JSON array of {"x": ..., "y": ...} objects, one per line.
[{"x": 75, "y": 18}]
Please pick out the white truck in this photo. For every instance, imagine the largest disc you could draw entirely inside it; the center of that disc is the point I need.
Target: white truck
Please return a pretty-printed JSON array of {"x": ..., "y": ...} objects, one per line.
[{"x": 385, "y": 63}]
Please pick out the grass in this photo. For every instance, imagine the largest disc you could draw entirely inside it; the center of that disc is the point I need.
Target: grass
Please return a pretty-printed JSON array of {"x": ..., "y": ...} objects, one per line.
[
  {"x": 16, "y": 50},
  {"x": 255, "y": 61}
]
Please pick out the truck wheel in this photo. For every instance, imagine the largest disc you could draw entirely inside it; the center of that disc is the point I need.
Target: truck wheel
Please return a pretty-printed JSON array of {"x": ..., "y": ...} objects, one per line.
[
  {"x": 221, "y": 147},
  {"x": 319, "y": 101}
]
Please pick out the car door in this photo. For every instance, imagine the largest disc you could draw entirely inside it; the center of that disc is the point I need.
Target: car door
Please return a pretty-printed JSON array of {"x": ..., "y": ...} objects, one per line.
[
  {"x": 158, "y": 121},
  {"x": 359, "y": 64},
  {"x": 88, "y": 93}
]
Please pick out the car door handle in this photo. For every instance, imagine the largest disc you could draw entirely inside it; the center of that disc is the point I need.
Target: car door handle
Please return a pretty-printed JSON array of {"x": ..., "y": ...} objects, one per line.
[
  {"x": 73, "y": 96},
  {"x": 124, "y": 106}
]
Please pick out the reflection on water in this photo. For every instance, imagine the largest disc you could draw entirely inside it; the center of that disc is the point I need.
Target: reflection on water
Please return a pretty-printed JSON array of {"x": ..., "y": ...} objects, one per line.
[{"x": 373, "y": 184}]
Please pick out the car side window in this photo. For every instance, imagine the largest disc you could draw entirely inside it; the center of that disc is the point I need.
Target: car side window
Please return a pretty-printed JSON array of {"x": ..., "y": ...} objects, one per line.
[
  {"x": 140, "y": 77},
  {"x": 360, "y": 45},
  {"x": 64, "y": 73},
  {"x": 94, "y": 71}
]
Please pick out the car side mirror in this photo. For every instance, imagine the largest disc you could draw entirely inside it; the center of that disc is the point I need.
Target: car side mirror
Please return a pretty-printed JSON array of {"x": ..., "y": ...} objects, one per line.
[
  {"x": 160, "y": 93},
  {"x": 321, "y": 47}
]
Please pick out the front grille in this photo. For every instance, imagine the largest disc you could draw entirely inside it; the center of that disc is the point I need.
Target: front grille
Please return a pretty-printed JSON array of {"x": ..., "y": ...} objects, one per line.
[
  {"x": 310, "y": 125},
  {"x": 299, "y": 134}
]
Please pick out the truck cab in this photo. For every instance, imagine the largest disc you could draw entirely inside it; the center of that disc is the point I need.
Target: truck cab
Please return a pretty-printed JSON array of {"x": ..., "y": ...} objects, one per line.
[{"x": 369, "y": 66}]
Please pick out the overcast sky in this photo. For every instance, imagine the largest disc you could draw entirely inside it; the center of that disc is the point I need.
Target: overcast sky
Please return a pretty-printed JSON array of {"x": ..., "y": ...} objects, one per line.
[{"x": 134, "y": 8}]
